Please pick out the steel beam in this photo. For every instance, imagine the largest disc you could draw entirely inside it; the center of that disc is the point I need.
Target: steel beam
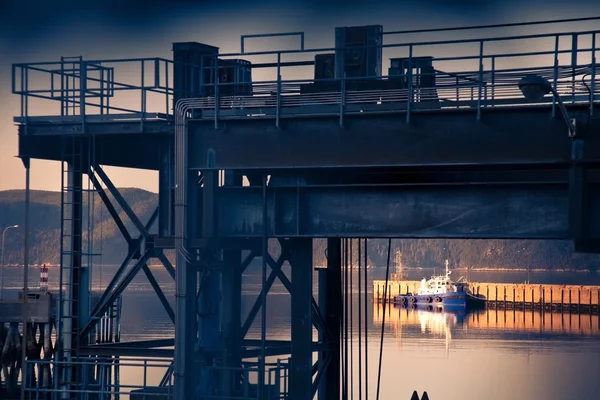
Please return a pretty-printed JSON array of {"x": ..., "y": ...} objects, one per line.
[
  {"x": 504, "y": 135},
  {"x": 509, "y": 211},
  {"x": 301, "y": 258}
]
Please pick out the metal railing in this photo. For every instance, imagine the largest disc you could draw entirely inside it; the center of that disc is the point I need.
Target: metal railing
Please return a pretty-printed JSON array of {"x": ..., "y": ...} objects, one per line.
[
  {"x": 473, "y": 74},
  {"x": 476, "y": 79},
  {"x": 142, "y": 379},
  {"x": 98, "y": 378},
  {"x": 128, "y": 89}
]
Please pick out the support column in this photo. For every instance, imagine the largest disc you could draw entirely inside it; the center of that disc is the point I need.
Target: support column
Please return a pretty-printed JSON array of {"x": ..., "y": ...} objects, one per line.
[
  {"x": 186, "y": 332},
  {"x": 578, "y": 199},
  {"x": 333, "y": 318},
  {"x": 231, "y": 302},
  {"x": 301, "y": 261},
  {"x": 164, "y": 193},
  {"x": 210, "y": 291}
]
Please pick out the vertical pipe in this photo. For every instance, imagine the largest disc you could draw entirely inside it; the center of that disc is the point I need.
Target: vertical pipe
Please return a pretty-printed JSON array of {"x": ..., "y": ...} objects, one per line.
[{"x": 164, "y": 191}]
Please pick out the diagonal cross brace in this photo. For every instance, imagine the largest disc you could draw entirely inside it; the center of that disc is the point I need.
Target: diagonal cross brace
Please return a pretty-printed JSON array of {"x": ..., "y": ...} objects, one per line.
[
  {"x": 111, "y": 209},
  {"x": 266, "y": 287},
  {"x": 318, "y": 320},
  {"x": 165, "y": 262},
  {"x": 159, "y": 292},
  {"x": 247, "y": 261},
  {"x": 102, "y": 305},
  {"x": 101, "y": 308},
  {"x": 113, "y": 190}
]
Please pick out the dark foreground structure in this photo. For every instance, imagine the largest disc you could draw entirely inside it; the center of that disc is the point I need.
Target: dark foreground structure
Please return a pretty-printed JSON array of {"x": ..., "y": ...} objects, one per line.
[{"x": 290, "y": 146}]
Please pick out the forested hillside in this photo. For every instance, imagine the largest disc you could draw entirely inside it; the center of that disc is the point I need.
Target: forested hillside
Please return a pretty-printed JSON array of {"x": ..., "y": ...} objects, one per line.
[{"x": 106, "y": 239}]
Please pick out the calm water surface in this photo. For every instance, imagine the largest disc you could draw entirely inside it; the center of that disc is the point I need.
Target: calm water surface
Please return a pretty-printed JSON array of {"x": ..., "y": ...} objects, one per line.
[{"x": 491, "y": 354}]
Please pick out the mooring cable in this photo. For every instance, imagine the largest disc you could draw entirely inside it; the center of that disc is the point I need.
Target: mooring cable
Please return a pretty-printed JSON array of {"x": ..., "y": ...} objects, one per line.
[
  {"x": 345, "y": 396},
  {"x": 366, "y": 328},
  {"x": 359, "y": 322},
  {"x": 387, "y": 274},
  {"x": 351, "y": 323}
]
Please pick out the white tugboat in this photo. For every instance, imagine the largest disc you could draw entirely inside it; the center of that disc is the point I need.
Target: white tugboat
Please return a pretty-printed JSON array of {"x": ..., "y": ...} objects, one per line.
[{"x": 441, "y": 291}]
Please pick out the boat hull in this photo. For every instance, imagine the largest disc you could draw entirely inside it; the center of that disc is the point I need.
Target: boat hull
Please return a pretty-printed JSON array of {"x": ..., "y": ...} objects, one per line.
[{"x": 446, "y": 300}]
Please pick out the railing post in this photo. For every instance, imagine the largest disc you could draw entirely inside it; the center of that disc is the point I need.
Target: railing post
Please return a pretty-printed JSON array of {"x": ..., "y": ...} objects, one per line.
[
  {"x": 167, "y": 88},
  {"x": 410, "y": 84},
  {"x": 82, "y": 90},
  {"x": 457, "y": 92},
  {"x": 143, "y": 99},
  {"x": 573, "y": 65},
  {"x": 555, "y": 77},
  {"x": 342, "y": 98},
  {"x": 593, "y": 83},
  {"x": 278, "y": 109},
  {"x": 216, "y": 76},
  {"x": 480, "y": 83},
  {"x": 493, "y": 79}
]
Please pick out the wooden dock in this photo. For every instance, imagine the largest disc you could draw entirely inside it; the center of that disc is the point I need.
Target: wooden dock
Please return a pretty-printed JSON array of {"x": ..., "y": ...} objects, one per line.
[{"x": 562, "y": 298}]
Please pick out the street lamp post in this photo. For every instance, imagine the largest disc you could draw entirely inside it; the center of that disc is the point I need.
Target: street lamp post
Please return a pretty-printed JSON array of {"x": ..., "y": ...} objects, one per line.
[
  {"x": 535, "y": 87},
  {"x": 2, "y": 265}
]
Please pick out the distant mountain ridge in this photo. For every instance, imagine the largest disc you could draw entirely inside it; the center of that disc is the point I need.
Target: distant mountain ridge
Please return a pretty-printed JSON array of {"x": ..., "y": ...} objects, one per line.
[{"x": 45, "y": 238}]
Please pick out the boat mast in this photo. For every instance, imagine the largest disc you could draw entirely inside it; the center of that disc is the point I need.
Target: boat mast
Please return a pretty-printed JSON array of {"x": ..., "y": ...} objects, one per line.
[{"x": 446, "y": 267}]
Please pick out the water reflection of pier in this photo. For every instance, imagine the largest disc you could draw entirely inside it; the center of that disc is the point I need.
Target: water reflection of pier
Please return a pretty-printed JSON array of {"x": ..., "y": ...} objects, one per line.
[{"x": 407, "y": 322}]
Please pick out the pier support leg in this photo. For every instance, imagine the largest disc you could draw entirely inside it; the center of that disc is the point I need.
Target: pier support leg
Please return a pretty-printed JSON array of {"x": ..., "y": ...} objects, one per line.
[
  {"x": 186, "y": 328},
  {"x": 333, "y": 316},
  {"x": 231, "y": 301},
  {"x": 209, "y": 295},
  {"x": 301, "y": 362}
]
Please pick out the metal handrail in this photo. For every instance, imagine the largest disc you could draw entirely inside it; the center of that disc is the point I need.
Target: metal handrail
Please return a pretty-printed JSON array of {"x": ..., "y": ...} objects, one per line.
[{"x": 455, "y": 88}]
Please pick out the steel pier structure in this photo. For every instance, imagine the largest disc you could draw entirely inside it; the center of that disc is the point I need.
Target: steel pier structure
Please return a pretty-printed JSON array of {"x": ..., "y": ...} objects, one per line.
[{"x": 294, "y": 145}]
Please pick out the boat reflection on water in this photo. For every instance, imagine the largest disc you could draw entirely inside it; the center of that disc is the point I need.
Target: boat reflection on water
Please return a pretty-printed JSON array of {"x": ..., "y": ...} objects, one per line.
[{"x": 429, "y": 322}]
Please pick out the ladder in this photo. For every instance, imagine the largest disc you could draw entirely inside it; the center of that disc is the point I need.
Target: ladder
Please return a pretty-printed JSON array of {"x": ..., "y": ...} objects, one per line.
[{"x": 78, "y": 214}]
